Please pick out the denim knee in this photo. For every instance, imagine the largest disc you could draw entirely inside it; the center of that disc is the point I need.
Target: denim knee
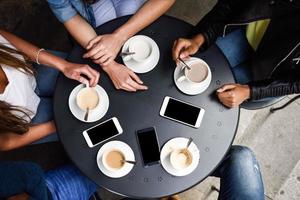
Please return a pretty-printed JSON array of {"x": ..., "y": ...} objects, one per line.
[{"x": 247, "y": 170}]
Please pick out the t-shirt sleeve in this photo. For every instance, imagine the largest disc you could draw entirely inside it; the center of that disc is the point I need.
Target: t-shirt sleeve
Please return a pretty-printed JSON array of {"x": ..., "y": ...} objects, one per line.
[{"x": 62, "y": 9}]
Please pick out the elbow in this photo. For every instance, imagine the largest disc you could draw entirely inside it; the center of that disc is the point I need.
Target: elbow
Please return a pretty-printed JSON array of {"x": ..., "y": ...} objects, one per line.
[{"x": 6, "y": 144}]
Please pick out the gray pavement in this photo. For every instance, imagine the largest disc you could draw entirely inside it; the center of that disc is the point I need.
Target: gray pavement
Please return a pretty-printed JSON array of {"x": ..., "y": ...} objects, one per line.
[{"x": 273, "y": 137}]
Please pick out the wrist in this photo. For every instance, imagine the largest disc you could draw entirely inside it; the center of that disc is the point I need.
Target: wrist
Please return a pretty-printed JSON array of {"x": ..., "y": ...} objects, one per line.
[
  {"x": 108, "y": 68},
  {"x": 121, "y": 35},
  {"x": 198, "y": 40},
  {"x": 246, "y": 92},
  {"x": 62, "y": 65}
]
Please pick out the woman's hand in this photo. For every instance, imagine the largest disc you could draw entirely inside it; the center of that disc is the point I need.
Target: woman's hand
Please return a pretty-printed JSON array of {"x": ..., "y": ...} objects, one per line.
[
  {"x": 186, "y": 47},
  {"x": 232, "y": 95},
  {"x": 75, "y": 71},
  {"x": 103, "y": 49},
  {"x": 124, "y": 78}
]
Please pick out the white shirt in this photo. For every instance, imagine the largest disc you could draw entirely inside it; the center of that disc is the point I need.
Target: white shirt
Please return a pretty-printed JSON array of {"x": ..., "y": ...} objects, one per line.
[{"x": 20, "y": 89}]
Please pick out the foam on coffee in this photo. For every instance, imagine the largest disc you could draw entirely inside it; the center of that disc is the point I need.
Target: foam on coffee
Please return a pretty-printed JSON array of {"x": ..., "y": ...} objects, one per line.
[
  {"x": 197, "y": 73},
  {"x": 115, "y": 159},
  {"x": 181, "y": 159},
  {"x": 87, "y": 98}
]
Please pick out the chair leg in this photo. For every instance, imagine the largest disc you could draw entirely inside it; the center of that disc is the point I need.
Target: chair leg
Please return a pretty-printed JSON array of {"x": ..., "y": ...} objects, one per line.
[{"x": 272, "y": 110}]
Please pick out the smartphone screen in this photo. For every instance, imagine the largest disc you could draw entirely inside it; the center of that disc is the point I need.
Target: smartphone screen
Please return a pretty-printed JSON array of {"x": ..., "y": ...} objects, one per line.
[
  {"x": 149, "y": 146},
  {"x": 182, "y": 112},
  {"x": 102, "y": 132}
]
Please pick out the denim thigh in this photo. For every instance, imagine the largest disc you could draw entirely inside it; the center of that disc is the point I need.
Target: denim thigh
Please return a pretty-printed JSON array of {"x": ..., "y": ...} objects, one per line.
[
  {"x": 20, "y": 177},
  {"x": 67, "y": 183},
  {"x": 240, "y": 176},
  {"x": 238, "y": 52}
]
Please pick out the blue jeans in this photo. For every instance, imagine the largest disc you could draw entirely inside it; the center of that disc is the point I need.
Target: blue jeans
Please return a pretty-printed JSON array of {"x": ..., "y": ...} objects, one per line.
[
  {"x": 240, "y": 176},
  {"x": 63, "y": 183},
  {"x": 238, "y": 52},
  {"x": 46, "y": 81}
]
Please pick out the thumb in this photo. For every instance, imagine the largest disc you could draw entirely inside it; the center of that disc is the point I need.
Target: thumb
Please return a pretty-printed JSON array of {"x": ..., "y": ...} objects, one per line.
[
  {"x": 226, "y": 87},
  {"x": 184, "y": 54}
]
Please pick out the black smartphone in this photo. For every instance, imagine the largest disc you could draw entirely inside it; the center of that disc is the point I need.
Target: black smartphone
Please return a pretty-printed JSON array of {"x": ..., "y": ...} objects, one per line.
[{"x": 149, "y": 146}]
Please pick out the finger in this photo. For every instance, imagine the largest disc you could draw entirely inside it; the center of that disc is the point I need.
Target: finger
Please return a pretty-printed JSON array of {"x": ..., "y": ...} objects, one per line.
[
  {"x": 180, "y": 45},
  {"x": 108, "y": 61},
  {"x": 95, "y": 78},
  {"x": 135, "y": 77},
  {"x": 104, "y": 58},
  {"x": 80, "y": 79},
  {"x": 98, "y": 55},
  {"x": 93, "y": 51},
  {"x": 136, "y": 85},
  {"x": 88, "y": 73},
  {"x": 185, "y": 53},
  {"x": 227, "y": 103},
  {"x": 226, "y": 87},
  {"x": 93, "y": 42},
  {"x": 226, "y": 95},
  {"x": 128, "y": 87},
  {"x": 177, "y": 46}
]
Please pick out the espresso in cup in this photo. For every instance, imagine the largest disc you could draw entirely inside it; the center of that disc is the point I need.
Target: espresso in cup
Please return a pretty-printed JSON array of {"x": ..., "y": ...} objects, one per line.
[
  {"x": 87, "y": 98},
  {"x": 181, "y": 158},
  {"x": 141, "y": 48},
  {"x": 113, "y": 160}
]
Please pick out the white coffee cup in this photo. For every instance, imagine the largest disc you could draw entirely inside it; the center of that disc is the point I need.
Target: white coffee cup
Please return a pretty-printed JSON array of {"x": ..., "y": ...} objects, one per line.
[
  {"x": 181, "y": 158},
  {"x": 113, "y": 159},
  {"x": 142, "y": 50},
  {"x": 87, "y": 97},
  {"x": 197, "y": 74}
]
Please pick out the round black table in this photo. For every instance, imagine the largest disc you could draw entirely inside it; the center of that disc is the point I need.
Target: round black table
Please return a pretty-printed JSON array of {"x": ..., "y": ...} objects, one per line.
[{"x": 141, "y": 110}]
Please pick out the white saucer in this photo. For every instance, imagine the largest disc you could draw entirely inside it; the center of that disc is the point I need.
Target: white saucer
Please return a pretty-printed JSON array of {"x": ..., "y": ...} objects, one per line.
[
  {"x": 128, "y": 153},
  {"x": 95, "y": 114},
  {"x": 187, "y": 87},
  {"x": 175, "y": 143},
  {"x": 141, "y": 67}
]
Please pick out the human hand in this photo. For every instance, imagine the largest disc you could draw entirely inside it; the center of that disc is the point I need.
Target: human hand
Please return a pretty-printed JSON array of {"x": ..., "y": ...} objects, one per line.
[
  {"x": 124, "y": 78},
  {"x": 75, "y": 71},
  {"x": 186, "y": 47},
  {"x": 232, "y": 95},
  {"x": 103, "y": 49}
]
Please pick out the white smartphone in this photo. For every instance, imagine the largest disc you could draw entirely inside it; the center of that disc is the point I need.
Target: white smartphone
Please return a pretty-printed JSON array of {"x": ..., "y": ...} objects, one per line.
[
  {"x": 182, "y": 112},
  {"x": 102, "y": 132}
]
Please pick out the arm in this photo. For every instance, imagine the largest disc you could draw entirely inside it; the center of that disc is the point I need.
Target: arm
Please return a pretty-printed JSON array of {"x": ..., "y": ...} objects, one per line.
[
  {"x": 207, "y": 30},
  {"x": 274, "y": 88},
  {"x": 80, "y": 30},
  {"x": 9, "y": 141},
  {"x": 104, "y": 48},
  {"x": 232, "y": 95},
  {"x": 70, "y": 70}
]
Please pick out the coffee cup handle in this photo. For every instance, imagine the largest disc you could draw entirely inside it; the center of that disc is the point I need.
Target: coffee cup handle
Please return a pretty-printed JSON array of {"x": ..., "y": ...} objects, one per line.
[{"x": 181, "y": 78}]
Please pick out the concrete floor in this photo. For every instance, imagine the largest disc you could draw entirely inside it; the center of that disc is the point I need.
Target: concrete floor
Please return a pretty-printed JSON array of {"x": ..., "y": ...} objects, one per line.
[{"x": 273, "y": 137}]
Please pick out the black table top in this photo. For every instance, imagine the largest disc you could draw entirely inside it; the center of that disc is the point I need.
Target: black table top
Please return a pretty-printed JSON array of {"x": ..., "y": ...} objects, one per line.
[{"x": 141, "y": 110}]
